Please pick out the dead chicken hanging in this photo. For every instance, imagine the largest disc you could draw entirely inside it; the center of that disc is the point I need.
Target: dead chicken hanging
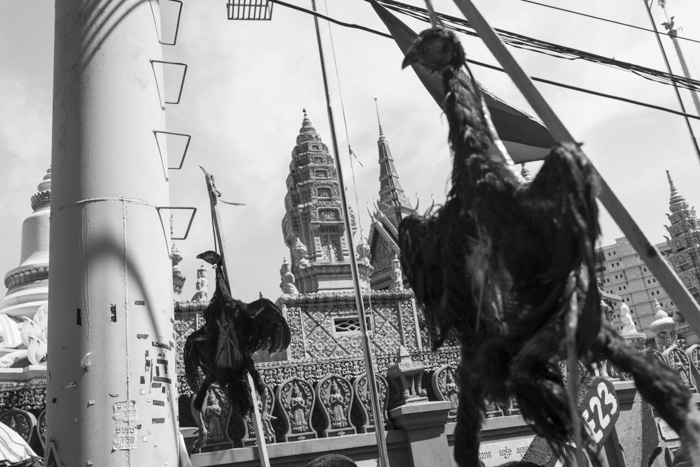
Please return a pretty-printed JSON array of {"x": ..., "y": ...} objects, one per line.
[
  {"x": 506, "y": 264},
  {"x": 223, "y": 348}
]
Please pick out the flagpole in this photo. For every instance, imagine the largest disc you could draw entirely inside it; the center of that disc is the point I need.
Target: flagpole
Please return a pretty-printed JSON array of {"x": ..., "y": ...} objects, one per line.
[{"x": 366, "y": 344}]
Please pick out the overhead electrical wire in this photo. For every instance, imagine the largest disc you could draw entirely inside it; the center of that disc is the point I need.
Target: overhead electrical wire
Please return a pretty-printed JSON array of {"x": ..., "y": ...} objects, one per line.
[
  {"x": 594, "y": 93},
  {"x": 548, "y": 48},
  {"x": 492, "y": 67},
  {"x": 598, "y": 18},
  {"x": 332, "y": 20},
  {"x": 517, "y": 40}
]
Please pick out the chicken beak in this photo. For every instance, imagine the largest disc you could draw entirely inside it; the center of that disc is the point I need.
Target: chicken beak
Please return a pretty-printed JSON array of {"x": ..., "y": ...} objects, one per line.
[
  {"x": 409, "y": 59},
  {"x": 210, "y": 257}
]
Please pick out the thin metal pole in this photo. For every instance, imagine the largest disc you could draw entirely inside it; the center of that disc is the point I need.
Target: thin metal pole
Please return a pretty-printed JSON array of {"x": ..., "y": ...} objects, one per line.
[
  {"x": 647, "y": 252},
  {"x": 366, "y": 344},
  {"x": 673, "y": 33},
  {"x": 221, "y": 243},
  {"x": 647, "y": 7}
]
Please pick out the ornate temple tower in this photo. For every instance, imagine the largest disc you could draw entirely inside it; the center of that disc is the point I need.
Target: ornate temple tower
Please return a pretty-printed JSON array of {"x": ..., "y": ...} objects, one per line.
[
  {"x": 313, "y": 226},
  {"x": 393, "y": 205},
  {"x": 317, "y": 290},
  {"x": 685, "y": 247}
]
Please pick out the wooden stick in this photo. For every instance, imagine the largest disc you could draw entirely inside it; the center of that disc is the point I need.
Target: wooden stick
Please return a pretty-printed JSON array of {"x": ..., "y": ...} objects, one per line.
[
  {"x": 219, "y": 238},
  {"x": 647, "y": 252}
]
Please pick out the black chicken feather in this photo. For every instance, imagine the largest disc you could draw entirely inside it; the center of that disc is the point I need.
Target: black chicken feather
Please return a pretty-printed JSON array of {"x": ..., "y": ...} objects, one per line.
[
  {"x": 500, "y": 263},
  {"x": 223, "y": 348}
]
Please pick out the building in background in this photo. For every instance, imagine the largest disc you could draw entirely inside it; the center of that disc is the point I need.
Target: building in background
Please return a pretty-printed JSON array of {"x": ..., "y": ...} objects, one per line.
[
  {"x": 323, "y": 366},
  {"x": 623, "y": 273}
]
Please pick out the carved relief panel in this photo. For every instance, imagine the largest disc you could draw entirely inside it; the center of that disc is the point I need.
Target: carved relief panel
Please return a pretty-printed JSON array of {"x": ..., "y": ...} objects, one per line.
[
  {"x": 267, "y": 403},
  {"x": 679, "y": 361},
  {"x": 335, "y": 396},
  {"x": 41, "y": 428},
  {"x": 363, "y": 402},
  {"x": 21, "y": 421},
  {"x": 693, "y": 353},
  {"x": 186, "y": 323},
  {"x": 295, "y": 397},
  {"x": 216, "y": 419},
  {"x": 444, "y": 384}
]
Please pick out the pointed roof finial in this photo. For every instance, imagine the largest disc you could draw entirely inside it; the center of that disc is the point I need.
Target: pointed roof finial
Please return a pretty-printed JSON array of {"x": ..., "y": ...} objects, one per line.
[
  {"x": 670, "y": 183},
  {"x": 376, "y": 107},
  {"x": 662, "y": 321},
  {"x": 677, "y": 201},
  {"x": 307, "y": 130}
]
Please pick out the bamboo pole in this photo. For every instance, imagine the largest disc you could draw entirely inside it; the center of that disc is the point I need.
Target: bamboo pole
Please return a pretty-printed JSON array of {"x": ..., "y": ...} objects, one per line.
[
  {"x": 383, "y": 455},
  {"x": 221, "y": 244},
  {"x": 647, "y": 252}
]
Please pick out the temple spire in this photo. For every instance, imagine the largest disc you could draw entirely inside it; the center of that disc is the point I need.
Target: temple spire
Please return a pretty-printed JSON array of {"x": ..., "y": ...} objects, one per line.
[
  {"x": 677, "y": 201},
  {"x": 393, "y": 202},
  {"x": 670, "y": 183},
  {"x": 376, "y": 107}
]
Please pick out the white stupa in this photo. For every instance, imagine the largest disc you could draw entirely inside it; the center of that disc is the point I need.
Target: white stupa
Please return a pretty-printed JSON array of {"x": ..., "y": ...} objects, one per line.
[{"x": 28, "y": 284}]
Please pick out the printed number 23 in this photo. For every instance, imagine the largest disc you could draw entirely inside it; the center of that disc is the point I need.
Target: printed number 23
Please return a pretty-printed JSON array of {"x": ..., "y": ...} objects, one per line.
[{"x": 596, "y": 407}]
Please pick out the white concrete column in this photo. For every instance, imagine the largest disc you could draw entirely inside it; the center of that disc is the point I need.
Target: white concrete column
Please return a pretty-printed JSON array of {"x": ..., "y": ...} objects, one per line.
[{"x": 112, "y": 399}]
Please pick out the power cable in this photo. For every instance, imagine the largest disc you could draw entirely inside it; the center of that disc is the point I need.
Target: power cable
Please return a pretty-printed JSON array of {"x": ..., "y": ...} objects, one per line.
[
  {"x": 493, "y": 67},
  {"x": 604, "y": 19},
  {"x": 544, "y": 47},
  {"x": 332, "y": 20},
  {"x": 593, "y": 93},
  {"x": 516, "y": 40}
]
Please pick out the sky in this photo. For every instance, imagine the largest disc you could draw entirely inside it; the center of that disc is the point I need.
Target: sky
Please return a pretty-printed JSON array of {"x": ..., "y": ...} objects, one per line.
[{"x": 247, "y": 83}]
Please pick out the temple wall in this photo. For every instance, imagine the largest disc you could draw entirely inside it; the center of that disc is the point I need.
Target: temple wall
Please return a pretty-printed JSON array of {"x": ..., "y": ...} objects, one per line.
[{"x": 327, "y": 325}]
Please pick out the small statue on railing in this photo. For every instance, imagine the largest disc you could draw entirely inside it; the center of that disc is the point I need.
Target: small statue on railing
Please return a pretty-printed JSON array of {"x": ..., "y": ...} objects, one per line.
[
  {"x": 664, "y": 329},
  {"x": 202, "y": 286},
  {"x": 336, "y": 400},
  {"x": 298, "y": 404},
  {"x": 287, "y": 279},
  {"x": 396, "y": 274},
  {"x": 178, "y": 277}
]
